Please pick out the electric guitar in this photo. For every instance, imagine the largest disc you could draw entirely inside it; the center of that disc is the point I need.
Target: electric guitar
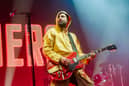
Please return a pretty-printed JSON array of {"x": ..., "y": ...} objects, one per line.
[{"x": 65, "y": 72}]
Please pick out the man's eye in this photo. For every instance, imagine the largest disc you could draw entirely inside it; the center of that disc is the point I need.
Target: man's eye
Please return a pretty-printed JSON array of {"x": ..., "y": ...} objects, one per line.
[{"x": 62, "y": 16}]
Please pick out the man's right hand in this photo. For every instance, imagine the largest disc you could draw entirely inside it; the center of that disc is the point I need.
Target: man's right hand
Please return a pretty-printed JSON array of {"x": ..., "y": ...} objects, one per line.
[{"x": 65, "y": 61}]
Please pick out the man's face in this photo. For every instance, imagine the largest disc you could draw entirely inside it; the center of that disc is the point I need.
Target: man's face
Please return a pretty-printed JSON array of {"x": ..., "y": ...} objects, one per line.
[{"x": 62, "y": 20}]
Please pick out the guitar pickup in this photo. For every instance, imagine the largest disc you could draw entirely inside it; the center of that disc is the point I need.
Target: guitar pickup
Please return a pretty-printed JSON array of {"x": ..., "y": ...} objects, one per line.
[{"x": 75, "y": 60}]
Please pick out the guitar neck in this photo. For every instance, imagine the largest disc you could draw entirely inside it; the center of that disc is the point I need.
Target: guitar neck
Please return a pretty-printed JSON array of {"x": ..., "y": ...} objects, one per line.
[{"x": 87, "y": 55}]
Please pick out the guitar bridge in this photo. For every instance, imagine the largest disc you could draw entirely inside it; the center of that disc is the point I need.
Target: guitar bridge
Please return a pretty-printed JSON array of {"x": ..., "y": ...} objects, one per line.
[{"x": 62, "y": 75}]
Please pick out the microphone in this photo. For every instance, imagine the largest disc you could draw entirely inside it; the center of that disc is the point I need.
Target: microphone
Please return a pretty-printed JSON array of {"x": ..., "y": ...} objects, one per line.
[
  {"x": 11, "y": 14},
  {"x": 14, "y": 12}
]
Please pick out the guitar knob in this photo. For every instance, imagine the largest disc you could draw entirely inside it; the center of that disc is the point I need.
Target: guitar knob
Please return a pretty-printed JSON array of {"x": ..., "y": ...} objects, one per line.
[{"x": 59, "y": 74}]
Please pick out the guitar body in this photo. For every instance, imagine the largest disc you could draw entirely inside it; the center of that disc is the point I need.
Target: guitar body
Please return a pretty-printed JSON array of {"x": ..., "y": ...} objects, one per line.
[{"x": 65, "y": 72}]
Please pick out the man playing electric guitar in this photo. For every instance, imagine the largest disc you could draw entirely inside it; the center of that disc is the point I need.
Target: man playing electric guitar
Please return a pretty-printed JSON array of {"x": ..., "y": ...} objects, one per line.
[{"x": 58, "y": 45}]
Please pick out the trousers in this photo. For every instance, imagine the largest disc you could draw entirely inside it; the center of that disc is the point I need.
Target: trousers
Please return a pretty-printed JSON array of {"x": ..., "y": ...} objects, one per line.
[{"x": 79, "y": 78}]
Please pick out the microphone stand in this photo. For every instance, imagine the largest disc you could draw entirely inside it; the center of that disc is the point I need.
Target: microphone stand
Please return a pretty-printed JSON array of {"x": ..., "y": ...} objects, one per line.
[
  {"x": 31, "y": 46},
  {"x": 28, "y": 15}
]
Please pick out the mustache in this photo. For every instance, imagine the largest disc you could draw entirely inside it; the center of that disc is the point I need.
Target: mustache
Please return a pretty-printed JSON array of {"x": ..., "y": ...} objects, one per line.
[{"x": 61, "y": 22}]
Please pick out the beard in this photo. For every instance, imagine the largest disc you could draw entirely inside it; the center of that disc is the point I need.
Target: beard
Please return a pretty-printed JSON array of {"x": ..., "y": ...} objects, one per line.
[{"x": 62, "y": 24}]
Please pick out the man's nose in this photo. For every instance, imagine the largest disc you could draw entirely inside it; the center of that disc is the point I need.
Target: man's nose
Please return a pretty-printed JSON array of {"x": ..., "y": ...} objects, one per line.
[{"x": 60, "y": 19}]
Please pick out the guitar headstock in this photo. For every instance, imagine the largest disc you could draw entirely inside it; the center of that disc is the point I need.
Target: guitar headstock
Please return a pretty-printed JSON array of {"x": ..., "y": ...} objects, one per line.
[{"x": 111, "y": 47}]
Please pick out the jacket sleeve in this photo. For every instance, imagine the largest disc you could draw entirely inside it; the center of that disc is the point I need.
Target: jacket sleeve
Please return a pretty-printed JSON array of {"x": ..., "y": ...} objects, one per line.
[{"x": 48, "y": 47}]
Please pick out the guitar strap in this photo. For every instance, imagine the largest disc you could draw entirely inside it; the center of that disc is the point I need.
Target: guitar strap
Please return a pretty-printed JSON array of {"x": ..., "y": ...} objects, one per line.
[{"x": 73, "y": 44}]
